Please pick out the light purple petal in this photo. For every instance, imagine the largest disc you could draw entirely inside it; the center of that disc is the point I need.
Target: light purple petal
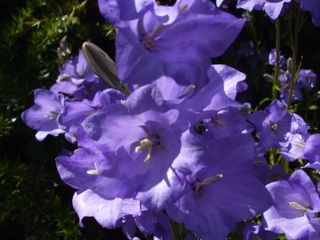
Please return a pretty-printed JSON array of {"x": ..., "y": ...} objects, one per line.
[
  {"x": 312, "y": 6},
  {"x": 106, "y": 212},
  {"x": 231, "y": 78}
]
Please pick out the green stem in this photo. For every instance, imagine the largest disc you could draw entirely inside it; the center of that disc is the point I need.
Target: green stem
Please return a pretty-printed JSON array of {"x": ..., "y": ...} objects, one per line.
[
  {"x": 275, "y": 84},
  {"x": 286, "y": 166},
  {"x": 294, "y": 38},
  {"x": 178, "y": 231},
  {"x": 272, "y": 156},
  {"x": 255, "y": 40}
]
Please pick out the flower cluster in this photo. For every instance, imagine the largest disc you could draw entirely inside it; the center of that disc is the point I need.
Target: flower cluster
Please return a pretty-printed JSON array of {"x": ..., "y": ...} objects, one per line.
[
  {"x": 170, "y": 142},
  {"x": 274, "y": 8},
  {"x": 306, "y": 79}
]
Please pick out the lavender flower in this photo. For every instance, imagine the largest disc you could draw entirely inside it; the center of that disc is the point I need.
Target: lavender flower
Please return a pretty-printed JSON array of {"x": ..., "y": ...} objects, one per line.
[
  {"x": 312, "y": 148},
  {"x": 138, "y": 160},
  {"x": 295, "y": 207},
  {"x": 275, "y": 8},
  {"x": 226, "y": 175},
  {"x": 306, "y": 80},
  {"x": 254, "y": 231},
  {"x": 147, "y": 46},
  {"x": 108, "y": 213},
  {"x": 43, "y": 115},
  {"x": 272, "y": 124},
  {"x": 272, "y": 58},
  {"x": 77, "y": 79},
  {"x": 76, "y": 111}
]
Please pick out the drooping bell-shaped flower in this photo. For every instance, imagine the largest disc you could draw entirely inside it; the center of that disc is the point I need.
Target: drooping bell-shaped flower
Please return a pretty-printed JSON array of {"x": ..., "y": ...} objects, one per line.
[
  {"x": 138, "y": 139},
  {"x": 77, "y": 80},
  {"x": 108, "y": 213},
  {"x": 75, "y": 111},
  {"x": 275, "y": 7},
  {"x": 272, "y": 124},
  {"x": 179, "y": 47},
  {"x": 209, "y": 208},
  {"x": 253, "y": 231},
  {"x": 43, "y": 115},
  {"x": 296, "y": 206}
]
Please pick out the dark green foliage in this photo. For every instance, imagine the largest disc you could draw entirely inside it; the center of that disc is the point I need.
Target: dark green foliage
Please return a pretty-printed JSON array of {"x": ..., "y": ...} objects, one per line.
[{"x": 34, "y": 203}]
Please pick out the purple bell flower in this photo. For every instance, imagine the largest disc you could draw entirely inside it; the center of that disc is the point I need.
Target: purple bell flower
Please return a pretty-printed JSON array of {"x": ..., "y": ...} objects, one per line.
[
  {"x": 312, "y": 148},
  {"x": 275, "y": 7},
  {"x": 209, "y": 208},
  {"x": 148, "y": 47},
  {"x": 141, "y": 159},
  {"x": 295, "y": 209},
  {"x": 44, "y": 114},
  {"x": 108, "y": 213},
  {"x": 272, "y": 124},
  {"x": 77, "y": 79},
  {"x": 272, "y": 58},
  {"x": 254, "y": 231},
  {"x": 76, "y": 111}
]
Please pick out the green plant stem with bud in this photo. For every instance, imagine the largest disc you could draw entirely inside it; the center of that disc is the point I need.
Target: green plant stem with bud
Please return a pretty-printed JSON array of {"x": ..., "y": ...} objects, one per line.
[
  {"x": 294, "y": 68},
  {"x": 275, "y": 84},
  {"x": 275, "y": 81}
]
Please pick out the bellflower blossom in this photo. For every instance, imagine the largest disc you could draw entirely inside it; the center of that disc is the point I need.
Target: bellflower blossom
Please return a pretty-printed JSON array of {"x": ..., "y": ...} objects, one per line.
[
  {"x": 272, "y": 124},
  {"x": 226, "y": 176},
  {"x": 149, "y": 45},
  {"x": 139, "y": 160},
  {"x": 43, "y": 115},
  {"x": 306, "y": 79},
  {"x": 295, "y": 209},
  {"x": 274, "y": 8},
  {"x": 177, "y": 148},
  {"x": 75, "y": 111},
  {"x": 76, "y": 79},
  {"x": 257, "y": 232}
]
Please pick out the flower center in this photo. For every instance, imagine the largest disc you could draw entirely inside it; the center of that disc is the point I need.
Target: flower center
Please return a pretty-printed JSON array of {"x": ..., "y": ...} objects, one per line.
[
  {"x": 148, "y": 42},
  {"x": 93, "y": 171},
  {"x": 148, "y": 144},
  {"x": 274, "y": 126},
  {"x": 200, "y": 128},
  {"x": 52, "y": 115}
]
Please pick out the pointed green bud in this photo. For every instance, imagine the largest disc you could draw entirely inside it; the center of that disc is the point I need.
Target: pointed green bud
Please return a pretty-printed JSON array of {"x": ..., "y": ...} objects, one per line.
[{"x": 102, "y": 65}]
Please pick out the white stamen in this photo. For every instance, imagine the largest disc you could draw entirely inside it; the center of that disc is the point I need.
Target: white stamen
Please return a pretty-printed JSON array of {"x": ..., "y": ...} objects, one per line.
[
  {"x": 93, "y": 171},
  {"x": 189, "y": 88},
  {"x": 145, "y": 144},
  {"x": 274, "y": 126},
  {"x": 52, "y": 115},
  {"x": 63, "y": 77},
  {"x": 298, "y": 206},
  {"x": 299, "y": 143}
]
